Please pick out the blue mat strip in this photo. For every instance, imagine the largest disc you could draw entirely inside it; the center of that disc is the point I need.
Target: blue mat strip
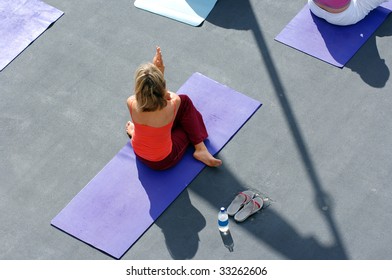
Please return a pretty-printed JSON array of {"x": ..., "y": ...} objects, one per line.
[
  {"x": 21, "y": 22},
  {"x": 331, "y": 43}
]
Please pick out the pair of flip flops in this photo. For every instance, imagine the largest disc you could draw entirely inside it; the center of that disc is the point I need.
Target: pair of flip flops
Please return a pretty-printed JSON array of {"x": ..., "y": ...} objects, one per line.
[{"x": 245, "y": 204}]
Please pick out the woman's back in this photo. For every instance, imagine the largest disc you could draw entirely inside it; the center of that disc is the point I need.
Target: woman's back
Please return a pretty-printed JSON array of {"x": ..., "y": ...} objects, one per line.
[
  {"x": 152, "y": 131},
  {"x": 156, "y": 118}
]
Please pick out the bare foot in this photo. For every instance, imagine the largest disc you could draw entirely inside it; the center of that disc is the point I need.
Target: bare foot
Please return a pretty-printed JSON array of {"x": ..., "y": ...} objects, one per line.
[
  {"x": 129, "y": 129},
  {"x": 202, "y": 154}
]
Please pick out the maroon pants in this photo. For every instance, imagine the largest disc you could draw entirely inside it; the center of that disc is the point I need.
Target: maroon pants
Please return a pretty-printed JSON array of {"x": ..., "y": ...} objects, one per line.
[{"x": 188, "y": 128}]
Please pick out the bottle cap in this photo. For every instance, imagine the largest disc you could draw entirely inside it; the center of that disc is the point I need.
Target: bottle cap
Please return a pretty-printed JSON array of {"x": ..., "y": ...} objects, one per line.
[{"x": 223, "y": 209}]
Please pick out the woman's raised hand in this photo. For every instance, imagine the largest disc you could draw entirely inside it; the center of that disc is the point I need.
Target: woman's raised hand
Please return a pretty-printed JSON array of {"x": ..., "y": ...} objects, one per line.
[{"x": 158, "y": 61}]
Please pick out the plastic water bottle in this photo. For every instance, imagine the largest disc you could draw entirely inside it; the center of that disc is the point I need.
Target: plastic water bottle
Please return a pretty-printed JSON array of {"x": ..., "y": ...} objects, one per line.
[{"x": 223, "y": 220}]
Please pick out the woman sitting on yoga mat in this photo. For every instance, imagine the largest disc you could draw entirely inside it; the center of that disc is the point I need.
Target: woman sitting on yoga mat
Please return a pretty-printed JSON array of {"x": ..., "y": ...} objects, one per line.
[
  {"x": 343, "y": 12},
  {"x": 164, "y": 123}
]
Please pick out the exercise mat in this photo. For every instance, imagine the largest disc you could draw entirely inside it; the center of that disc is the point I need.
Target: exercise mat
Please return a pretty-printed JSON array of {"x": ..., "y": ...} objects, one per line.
[
  {"x": 21, "y": 22},
  {"x": 125, "y": 198},
  {"x": 331, "y": 43},
  {"x": 192, "y": 12}
]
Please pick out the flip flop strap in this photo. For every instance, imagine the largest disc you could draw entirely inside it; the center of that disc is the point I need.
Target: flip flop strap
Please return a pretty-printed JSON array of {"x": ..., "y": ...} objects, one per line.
[
  {"x": 255, "y": 203},
  {"x": 247, "y": 197}
]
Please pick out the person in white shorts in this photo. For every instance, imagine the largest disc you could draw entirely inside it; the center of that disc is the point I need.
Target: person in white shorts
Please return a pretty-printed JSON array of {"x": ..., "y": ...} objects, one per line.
[{"x": 343, "y": 12}]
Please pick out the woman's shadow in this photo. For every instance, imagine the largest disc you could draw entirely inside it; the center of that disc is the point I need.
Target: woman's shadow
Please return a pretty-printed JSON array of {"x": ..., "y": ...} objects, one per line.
[
  {"x": 180, "y": 226},
  {"x": 182, "y": 222},
  {"x": 367, "y": 61}
]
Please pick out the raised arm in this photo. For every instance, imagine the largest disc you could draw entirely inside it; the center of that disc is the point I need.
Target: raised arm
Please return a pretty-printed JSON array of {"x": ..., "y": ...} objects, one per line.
[{"x": 158, "y": 61}]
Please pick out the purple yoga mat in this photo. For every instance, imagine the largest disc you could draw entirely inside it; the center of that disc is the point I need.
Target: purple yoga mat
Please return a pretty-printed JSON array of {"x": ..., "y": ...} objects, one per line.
[
  {"x": 125, "y": 198},
  {"x": 330, "y": 43},
  {"x": 21, "y": 22}
]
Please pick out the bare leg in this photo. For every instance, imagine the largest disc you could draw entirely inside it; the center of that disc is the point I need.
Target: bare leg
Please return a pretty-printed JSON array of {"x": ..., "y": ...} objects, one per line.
[
  {"x": 202, "y": 154},
  {"x": 130, "y": 128}
]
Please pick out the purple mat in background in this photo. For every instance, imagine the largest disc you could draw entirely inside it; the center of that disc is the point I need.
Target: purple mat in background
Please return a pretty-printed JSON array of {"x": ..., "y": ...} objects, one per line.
[
  {"x": 125, "y": 198},
  {"x": 330, "y": 43},
  {"x": 21, "y": 22}
]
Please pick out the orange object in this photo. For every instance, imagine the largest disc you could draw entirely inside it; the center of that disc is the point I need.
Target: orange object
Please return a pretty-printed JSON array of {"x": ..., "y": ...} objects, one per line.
[{"x": 153, "y": 143}]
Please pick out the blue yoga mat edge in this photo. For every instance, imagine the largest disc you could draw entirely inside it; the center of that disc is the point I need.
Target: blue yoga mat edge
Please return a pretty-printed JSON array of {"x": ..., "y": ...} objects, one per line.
[
  {"x": 55, "y": 13},
  {"x": 166, "y": 10}
]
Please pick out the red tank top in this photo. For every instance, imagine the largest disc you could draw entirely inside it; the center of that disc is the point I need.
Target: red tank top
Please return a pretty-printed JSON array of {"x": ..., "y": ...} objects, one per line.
[
  {"x": 334, "y": 4},
  {"x": 152, "y": 143}
]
